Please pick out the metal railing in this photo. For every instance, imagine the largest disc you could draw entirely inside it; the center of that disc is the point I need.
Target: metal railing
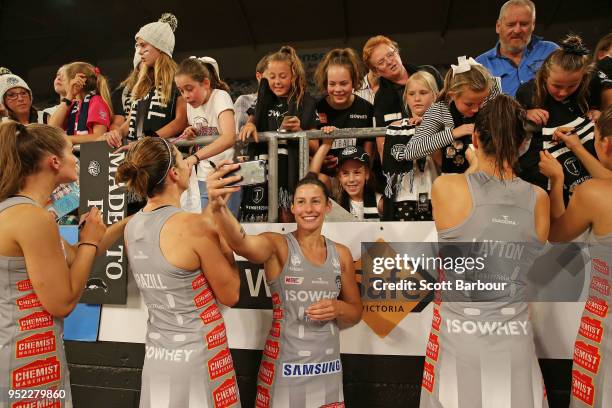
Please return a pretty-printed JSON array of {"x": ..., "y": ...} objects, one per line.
[{"x": 302, "y": 137}]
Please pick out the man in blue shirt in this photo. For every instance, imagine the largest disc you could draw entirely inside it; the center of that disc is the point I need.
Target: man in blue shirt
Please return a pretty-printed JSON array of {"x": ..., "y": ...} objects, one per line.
[{"x": 518, "y": 54}]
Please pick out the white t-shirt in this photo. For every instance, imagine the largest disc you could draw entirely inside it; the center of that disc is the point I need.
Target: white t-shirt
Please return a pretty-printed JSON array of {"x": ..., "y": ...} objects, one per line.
[{"x": 205, "y": 120}]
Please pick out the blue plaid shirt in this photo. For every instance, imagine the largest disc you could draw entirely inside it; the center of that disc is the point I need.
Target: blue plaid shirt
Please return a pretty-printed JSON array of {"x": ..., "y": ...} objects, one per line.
[{"x": 512, "y": 76}]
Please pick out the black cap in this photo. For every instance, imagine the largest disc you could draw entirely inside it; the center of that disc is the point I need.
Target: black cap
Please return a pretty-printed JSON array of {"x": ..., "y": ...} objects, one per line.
[{"x": 353, "y": 153}]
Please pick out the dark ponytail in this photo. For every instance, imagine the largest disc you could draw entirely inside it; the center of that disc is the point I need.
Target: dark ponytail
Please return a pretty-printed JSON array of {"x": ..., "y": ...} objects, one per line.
[
  {"x": 500, "y": 125},
  {"x": 146, "y": 165}
]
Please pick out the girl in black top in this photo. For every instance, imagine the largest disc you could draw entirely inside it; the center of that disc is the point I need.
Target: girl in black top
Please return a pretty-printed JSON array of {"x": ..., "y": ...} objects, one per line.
[
  {"x": 338, "y": 75},
  {"x": 566, "y": 94},
  {"x": 282, "y": 105}
]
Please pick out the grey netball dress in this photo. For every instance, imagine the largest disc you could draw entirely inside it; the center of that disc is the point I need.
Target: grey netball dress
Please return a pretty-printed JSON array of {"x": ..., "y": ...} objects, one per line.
[
  {"x": 482, "y": 353},
  {"x": 187, "y": 359},
  {"x": 300, "y": 366},
  {"x": 592, "y": 369},
  {"x": 31, "y": 340}
]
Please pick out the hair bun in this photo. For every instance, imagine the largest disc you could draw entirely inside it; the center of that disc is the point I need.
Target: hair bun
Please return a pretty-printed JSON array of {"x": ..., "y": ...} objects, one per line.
[
  {"x": 573, "y": 45},
  {"x": 170, "y": 19}
]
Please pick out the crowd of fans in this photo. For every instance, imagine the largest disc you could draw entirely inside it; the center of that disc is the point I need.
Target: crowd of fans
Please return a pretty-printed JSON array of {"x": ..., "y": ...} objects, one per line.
[{"x": 429, "y": 117}]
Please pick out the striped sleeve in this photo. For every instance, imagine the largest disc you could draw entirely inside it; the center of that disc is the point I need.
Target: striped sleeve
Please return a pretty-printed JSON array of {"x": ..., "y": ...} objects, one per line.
[{"x": 434, "y": 132}]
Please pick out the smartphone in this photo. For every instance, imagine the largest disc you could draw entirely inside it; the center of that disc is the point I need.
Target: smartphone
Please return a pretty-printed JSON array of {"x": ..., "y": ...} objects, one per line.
[{"x": 252, "y": 172}]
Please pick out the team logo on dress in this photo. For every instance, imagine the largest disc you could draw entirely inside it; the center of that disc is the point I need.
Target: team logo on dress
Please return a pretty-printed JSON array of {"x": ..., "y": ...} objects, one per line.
[
  {"x": 103, "y": 115},
  {"x": 277, "y": 314},
  {"x": 35, "y": 345},
  {"x": 37, "y": 373},
  {"x": 257, "y": 194},
  {"x": 294, "y": 280},
  {"x": 295, "y": 260},
  {"x": 94, "y": 168},
  {"x": 334, "y": 405},
  {"x": 203, "y": 298},
  {"x": 572, "y": 166},
  {"x": 276, "y": 300},
  {"x": 338, "y": 282},
  {"x": 37, "y": 404},
  {"x": 582, "y": 387},
  {"x": 226, "y": 394},
  {"x": 220, "y": 364}
]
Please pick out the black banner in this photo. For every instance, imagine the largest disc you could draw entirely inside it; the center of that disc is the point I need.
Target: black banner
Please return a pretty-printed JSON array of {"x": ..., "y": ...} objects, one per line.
[{"x": 107, "y": 283}]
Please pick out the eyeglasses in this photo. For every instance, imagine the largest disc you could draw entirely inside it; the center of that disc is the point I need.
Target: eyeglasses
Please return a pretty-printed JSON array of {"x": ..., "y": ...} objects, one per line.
[
  {"x": 388, "y": 57},
  {"x": 11, "y": 96}
]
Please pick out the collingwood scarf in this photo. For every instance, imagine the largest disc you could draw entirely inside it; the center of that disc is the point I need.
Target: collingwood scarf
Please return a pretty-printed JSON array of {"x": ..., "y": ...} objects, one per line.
[
  {"x": 395, "y": 165},
  {"x": 370, "y": 207}
]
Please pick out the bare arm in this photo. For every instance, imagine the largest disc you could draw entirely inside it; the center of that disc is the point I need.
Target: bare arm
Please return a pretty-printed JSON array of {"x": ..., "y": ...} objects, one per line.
[
  {"x": 256, "y": 248},
  {"x": 57, "y": 286},
  {"x": 226, "y": 139},
  {"x": 112, "y": 234},
  {"x": 220, "y": 272},
  {"x": 178, "y": 124},
  {"x": 576, "y": 218}
]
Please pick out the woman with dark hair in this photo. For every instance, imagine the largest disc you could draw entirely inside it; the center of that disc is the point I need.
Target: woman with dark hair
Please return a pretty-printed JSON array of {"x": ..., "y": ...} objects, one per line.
[
  {"x": 314, "y": 292},
  {"x": 183, "y": 271},
  {"x": 42, "y": 277},
  {"x": 481, "y": 351},
  {"x": 16, "y": 97}
]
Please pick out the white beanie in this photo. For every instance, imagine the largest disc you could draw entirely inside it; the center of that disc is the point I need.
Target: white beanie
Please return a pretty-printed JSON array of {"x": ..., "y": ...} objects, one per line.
[
  {"x": 136, "y": 59},
  {"x": 160, "y": 34},
  {"x": 211, "y": 61},
  {"x": 10, "y": 81}
]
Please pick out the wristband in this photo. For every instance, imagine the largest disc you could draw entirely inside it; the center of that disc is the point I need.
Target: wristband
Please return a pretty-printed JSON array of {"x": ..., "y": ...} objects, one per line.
[
  {"x": 67, "y": 101},
  {"x": 198, "y": 160},
  {"x": 87, "y": 243}
]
